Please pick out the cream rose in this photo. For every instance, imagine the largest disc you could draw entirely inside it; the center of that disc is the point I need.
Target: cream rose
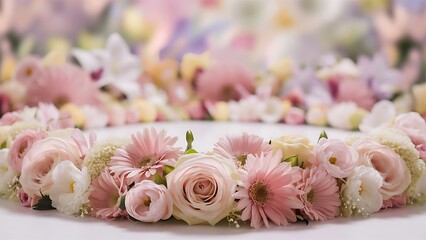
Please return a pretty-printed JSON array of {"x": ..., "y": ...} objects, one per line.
[
  {"x": 41, "y": 159},
  {"x": 294, "y": 144},
  {"x": 393, "y": 169},
  {"x": 202, "y": 187},
  {"x": 7, "y": 174}
]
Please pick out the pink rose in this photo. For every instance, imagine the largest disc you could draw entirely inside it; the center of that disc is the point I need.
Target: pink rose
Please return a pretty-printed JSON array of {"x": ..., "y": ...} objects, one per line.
[
  {"x": 149, "y": 202},
  {"x": 202, "y": 187},
  {"x": 413, "y": 125},
  {"x": 395, "y": 201},
  {"x": 21, "y": 145},
  {"x": 41, "y": 159},
  {"x": 27, "y": 201},
  {"x": 337, "y": 158},
  {"x": 393, "y": 169},
  {"x": 295, "y": 116},
  {"x": 9, "y": 118}
]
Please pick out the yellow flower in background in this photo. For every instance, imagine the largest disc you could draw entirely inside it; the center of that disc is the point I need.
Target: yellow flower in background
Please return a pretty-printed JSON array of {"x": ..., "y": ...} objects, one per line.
[
  {"x": 371, "y": 5},
  {"x": 7, "y": 69},
  {"x": 55, "y": 58},
  {"x": 286, "y": 106},
  {"x": 58, "y": 44},
  {"x": 282, "y": 69},
  {"x": 76, "y": 112},
  {"x": 135, "y": 25},
  {"x": 162, "y": 72},
  {"x": 221, "y": 111},
  {"x": 192, "y": 62},
  {"x": 284, "y": 18},
  {"x": 356, "y": 117},
  {"x": 90, "y": 41},
  {"x": 147, "y": 110},
  {"x": 419, "y": 93}
]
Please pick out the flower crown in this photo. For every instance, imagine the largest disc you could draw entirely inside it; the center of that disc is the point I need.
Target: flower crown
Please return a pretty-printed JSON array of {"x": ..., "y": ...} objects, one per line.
[{"x": 243, "y": 179}]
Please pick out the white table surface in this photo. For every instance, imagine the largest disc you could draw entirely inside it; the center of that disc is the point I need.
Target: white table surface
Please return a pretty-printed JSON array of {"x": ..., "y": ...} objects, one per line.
[{"x": 17, "y": 222}]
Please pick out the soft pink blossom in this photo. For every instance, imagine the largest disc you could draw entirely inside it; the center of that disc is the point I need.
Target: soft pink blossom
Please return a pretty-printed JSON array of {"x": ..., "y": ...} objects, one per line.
[
  {"x": 132, "y": 115},
  {"x": 393, "y": 169},
  {"x": 422, "y": 151},
  {"x": 413, "y": 125},
  {"x": 225, "y": 80},
  {"x": 395, "y": 201},
  {"x": 65, "y": 84},
  {"x": 320, "y": 195},
  {"x": 9, "y": 118},
  {"x": 149, "y": 202},
  {"x": 268, "y": 191},
  {"x": 238, "y": 147},
  {"x": 29, "y": 70},
  {"x": 196, "y": 110},
  {"x": 356, "y": 91},
  {"x": 146, "y": 155},
  {"x": 106, "y": 195},
  {"x": 27, "y": 201},
  {"x": 337, "y": 158},
  {"x": 295, "y": 116},
  {"x": 41, "y": 159},
  {"x": 116, "y": 115},
  {"x": 20, "y": 146},
  {"x": 49, "y": 115}
]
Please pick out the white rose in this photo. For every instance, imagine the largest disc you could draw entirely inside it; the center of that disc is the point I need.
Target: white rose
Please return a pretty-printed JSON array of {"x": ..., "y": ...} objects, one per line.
[
  {"x": 202, "y": 187},
  {"x": 272, "y": 110},
  {"x": 340, "y": 115},
  {"x": 7, "y": 173},
  {"x": 69, "y": 187}
]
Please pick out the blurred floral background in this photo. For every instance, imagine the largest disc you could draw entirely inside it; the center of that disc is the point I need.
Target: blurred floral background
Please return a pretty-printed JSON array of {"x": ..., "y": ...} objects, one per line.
[{"x": 300, "y": 44}]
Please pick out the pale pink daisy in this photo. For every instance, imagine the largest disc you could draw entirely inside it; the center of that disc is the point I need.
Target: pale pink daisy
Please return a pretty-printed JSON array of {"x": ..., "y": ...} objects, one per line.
[
  {"x": 238, "y": 147},
  {"x": 226, "y": 80},
  {"x": 106, "y": 195},
  {"x": 62, "y": 84},
  {"x": 320, "y": 195},
  {"x": 268, "y": 191},
  {"x": 146, "y": 155}
]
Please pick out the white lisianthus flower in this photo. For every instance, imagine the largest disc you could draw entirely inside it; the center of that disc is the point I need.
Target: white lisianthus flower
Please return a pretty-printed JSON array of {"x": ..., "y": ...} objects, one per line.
[
  {"x": 340, "y": 115},
  {"x": 69, "y": 187},
  {"x": 7, "y": 174},
  {"x": 380, "y": 117},
  {"x": 361, "y": 192},
  {"x": 94, "y": 118},
  {"x": 272, "y": 111},
  {"x": 248, "y": 109}
]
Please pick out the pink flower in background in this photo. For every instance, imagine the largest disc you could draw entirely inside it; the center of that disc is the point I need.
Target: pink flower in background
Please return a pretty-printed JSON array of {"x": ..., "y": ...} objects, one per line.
[
  {"x": 238, "y": 147},
  {"x": 395, "y": 201},
  {"x": 393, "y": 169},
  {"x": 413, "y": 125},
  {"x": 320, "y": 195},
  {"x": 116, "y": 114},
  {"x": 106, "y": 195},
  {"x": 295, "y": 116},
  {"x": 335, "y": 156},
  {"x": 132, "y": 115},
  {"x": 355, "y": 91},
  {"x": 148, "y": 153},
  {"x": 225, "y": 80},
  {"x": 268, "y": 191},
  {"x": 29, "y": 70},
  {"x": 9, "y": 118},
  {"x": 21, "y": 145},
  {"x": 63, "y": 84},
  {"x": 149, "y": 202},
  {"x": 25, "y": 200},
  {"x": 49, "y": 115}
]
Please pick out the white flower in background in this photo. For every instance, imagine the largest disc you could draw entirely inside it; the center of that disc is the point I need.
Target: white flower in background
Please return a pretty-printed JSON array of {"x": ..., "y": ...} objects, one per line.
[
  {"x": 70, "y": 187},
  {"x": 339, "y": 116},
  {"x": 114, "y": 65},
  {"x": 94, "y": 118},
  {"x": 151, "y": 93},
  {"x": 272, "y": 110},
  {"x": 380, "y": 117},
  {"x": 317, "y": 115},
  {"x": 345, "y": 67},
  {"x": 361, "y": 192},
  {"x": 7, "y": 174},
  {"x": 248, "y": 109}
]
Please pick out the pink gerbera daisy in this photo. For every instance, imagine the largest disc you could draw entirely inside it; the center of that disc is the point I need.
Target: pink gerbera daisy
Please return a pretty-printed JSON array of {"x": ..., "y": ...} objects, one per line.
[
  {"x": 268, "y": 191},
  {"x": 320, "y": 195},
  {"x": 148, "y": 153},
  {"x": 238, "y": 147},
  {"x": 106, "y": 195},
  {"x": 62, "y": 84}
]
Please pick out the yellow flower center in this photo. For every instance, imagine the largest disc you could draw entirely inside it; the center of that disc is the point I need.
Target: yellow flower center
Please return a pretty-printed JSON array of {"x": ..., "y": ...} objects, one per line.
[
  {"x": 332, "y": 160},
  {"x": 71, "y": 185},
  {"x": 242, "y": 159},
  {"x": 310, "y": 196}
]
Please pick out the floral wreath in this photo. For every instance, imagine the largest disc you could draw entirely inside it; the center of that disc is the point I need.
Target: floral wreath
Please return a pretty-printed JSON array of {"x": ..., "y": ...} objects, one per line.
[{"x": 47, "y": 163}]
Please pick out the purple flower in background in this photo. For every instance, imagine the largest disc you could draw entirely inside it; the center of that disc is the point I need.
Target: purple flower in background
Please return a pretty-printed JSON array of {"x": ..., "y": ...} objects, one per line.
[
  {"x": 416, "y": 6},
  {"x": 306, "y": 84},
  {"x": 379, "y": 76}
]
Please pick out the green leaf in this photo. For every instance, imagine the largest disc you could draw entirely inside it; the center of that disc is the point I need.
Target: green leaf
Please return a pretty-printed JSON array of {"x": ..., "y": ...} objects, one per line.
[
  {"x": 189, "y": 139},
  {"x": 293, "y": 160},
  {"x": 323, "y": 135},
  {"x": 168, "y": 169},
  {"x": 123, "y": 203},
  {"x": 45, "y": 203},
  {"x": 159, "y": 179},
  {"x": 191, "y": 151}
]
